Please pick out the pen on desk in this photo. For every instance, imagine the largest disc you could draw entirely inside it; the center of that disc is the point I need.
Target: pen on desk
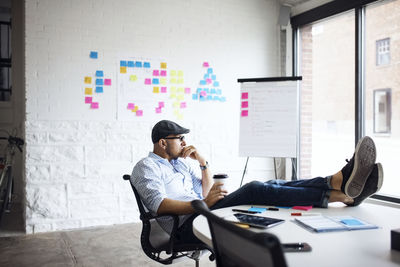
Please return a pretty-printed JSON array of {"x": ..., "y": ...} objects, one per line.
[
  {"x": 304, "y": 214},
  {"x": 245, "y": 211}
]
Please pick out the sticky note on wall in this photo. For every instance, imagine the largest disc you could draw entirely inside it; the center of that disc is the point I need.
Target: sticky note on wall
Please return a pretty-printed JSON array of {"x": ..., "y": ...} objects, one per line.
[
  {"x": 245, "y": 113},
  {"x": 88, "y": 79},
  {"x": 245, "y": 95},
  {"x": 245, "y": 104},
  {"x": 93, "y": 54}
]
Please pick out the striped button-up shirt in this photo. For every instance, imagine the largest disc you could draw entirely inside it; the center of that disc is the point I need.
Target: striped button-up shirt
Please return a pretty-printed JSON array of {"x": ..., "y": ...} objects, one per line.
[{"x": 156, "y": 178}]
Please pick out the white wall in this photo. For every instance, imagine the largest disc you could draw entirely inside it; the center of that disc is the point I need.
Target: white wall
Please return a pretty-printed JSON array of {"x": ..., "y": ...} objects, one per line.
[{"x": 76, "y": 156}]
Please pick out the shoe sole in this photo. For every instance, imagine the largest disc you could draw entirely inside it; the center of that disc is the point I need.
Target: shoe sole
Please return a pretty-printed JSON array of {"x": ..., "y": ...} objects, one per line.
[
  {"x": 364, "y": 160},
  {"x": 380, "y": 177}
]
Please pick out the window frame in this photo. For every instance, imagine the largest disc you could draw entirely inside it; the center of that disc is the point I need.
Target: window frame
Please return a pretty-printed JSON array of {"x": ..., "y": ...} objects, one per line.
[
  {"x": 327, "y": 10},
  {"x": 388, "y": 92}
]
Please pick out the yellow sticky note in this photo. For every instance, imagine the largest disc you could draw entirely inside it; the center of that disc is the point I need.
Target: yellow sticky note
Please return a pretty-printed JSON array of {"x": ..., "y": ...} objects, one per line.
[
  {"x": 180, "y": 81},
  {"x": 135, "y": 109},
  {"x": 133, "y": 78},
  {"x": 173, "y": 89},
  {"x": 163, "y": 81},
  {"x": 180, "y": 97},
  {"x": 181, "y": 90},
  {"x": 173, "y": 80},
  {"x": 180, "y": 73},
  {"x": 88, "y": 79},
  {"x": 163, "y": 65},
  {"x": 122, "y": 69},
  {"x": 180, "y": 116},
  {"x": 172, "y": 95},
  {"x": 176, "y": 104},
  {"x": 172, "y": 73},
  {"x": 88, "y": 91},
  {"x": 156, "y": 89}
]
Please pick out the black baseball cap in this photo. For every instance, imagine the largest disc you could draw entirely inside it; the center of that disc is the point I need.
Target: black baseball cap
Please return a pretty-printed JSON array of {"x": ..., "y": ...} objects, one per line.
[{"x": 164, "y": 128}]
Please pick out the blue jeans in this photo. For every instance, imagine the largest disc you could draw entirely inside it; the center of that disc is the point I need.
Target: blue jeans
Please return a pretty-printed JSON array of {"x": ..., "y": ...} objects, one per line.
[{"x": 310, "y": 192}]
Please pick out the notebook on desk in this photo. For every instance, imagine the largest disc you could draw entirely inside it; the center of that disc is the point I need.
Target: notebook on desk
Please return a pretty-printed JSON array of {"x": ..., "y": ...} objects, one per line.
[{"x": 333, "y": 223}]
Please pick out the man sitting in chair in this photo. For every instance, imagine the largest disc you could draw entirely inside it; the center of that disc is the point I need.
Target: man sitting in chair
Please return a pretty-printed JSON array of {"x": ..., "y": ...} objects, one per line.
[{"x": 167, "y": 184}]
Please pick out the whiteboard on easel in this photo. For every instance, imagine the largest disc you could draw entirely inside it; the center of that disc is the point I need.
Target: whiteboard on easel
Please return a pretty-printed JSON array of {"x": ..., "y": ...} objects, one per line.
[{"x": 269, "y": 117}]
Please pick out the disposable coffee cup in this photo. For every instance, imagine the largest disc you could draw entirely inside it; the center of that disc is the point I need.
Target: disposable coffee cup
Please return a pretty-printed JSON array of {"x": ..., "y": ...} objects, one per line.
[{"x": 221, "y": 177}]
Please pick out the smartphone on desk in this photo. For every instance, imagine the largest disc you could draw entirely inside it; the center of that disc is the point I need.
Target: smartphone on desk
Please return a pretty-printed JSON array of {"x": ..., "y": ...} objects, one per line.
[
  {"x": 296, "y": 247},
  {"x": 254, "y": 221}
]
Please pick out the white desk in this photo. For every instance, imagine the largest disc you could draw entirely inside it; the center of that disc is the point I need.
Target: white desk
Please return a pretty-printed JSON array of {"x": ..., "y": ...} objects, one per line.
[{"x": 337, "y": 249}]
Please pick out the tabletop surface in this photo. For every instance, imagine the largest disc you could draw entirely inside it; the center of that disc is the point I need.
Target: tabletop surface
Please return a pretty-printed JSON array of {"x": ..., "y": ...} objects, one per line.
[{"x": 344, "y": 248}]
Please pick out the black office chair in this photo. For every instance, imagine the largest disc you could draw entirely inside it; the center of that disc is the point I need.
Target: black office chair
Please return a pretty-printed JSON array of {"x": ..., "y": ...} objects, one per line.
[
  {"x": 156, "y": 242},
  {"x": 236, "y": 247}
]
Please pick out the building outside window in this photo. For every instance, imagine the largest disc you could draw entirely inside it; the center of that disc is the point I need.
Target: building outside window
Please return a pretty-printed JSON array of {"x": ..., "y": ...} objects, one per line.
[
  {"x": 383, "y": 52},
  {"x": 382, "y": 110}
]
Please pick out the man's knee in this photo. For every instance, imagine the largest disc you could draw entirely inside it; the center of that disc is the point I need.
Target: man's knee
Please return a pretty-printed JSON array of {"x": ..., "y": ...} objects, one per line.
[{"x": 254, "y": 185}]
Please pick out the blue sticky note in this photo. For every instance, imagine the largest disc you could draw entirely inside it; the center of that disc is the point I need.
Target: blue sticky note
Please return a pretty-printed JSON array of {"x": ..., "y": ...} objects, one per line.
[
  {"x": 206, "y": 90},
  {"x": 93, "y": 54},
  {"x": 195, "y": 96},
  {"x": 209, "y": 97},
  {"x": 199, "y": 90},
  {"x": 206, "y": 76},
  {"x": 257, "y": 209},
  {"x": 213, "y": 91},
  {"x": 146, "y": 65},
  {"x": 223, "y": 99},
  {"x": 131, "y": 64},
  {"x": 216, "y": 98},
  {"x": 99, "y": 81},
  {"x": 214, "y": 77},
  {"x": 216, "y": 84},
  {"x": 155, "y": 81},
  {"x": 99, "y": 73},
  {"x": 202, "y": 98},
  {"x": 138, "y": 64},
  {"x": 122, "y": 63},
  {"x": 351, "y": 222},
  {"x": 209, "y": 70},
  {"x": 203, "y": 82},
  {"x": 99, "y": 89},
  {"x": 219, "y": 91}
]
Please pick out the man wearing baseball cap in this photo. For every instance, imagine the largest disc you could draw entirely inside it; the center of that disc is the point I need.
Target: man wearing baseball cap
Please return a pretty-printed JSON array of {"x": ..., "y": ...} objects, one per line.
[{"x": 166, "y": 182}]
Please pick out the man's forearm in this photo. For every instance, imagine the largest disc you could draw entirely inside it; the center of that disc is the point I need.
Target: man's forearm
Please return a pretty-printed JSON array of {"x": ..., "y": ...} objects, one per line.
[{"x": 177, "y": 207}]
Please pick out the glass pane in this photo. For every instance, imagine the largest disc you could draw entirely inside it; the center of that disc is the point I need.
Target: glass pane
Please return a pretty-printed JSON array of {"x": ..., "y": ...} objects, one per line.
[
  {"x": 327, "y": 58},
  {"x": 382, "y": 87}
]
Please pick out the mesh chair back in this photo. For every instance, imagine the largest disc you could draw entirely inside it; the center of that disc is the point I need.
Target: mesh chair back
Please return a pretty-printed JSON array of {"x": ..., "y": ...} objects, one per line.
[{"x": 234, "y": 246}]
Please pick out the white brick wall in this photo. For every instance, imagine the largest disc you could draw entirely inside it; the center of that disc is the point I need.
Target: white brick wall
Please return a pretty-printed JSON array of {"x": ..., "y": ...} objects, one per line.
[{"x": 75, "y": 157}]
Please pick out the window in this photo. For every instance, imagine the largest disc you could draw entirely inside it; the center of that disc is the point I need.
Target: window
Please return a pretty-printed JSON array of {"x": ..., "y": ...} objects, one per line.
[
  {"x": 382, "y": 110},
  {"x": 327, "y": 95},
  {"x": 383, "y": 52},
  {"x": 369, "y": 43}
]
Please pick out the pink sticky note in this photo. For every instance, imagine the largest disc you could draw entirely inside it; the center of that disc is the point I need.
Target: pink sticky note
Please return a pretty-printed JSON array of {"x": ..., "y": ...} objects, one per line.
[
  {"x": 205, "y": 64},
  {"x": 209, "y": 81},
  {"x": 183, "y": 104},
  {"x": 245, "y": 95},
  {"x": 163, "y": 73},
  {"x": 158, "y": 110},
  {"x": 302, "y": 207},
  {"x": 163, "y": 89},
  {"x": 139, "y": 113},
  {"x": 94, "y": 105},
  {"x": 131, "y": 106},
  {"x": 245, "y": 104},
  {"x": 88, "y": 99},
  {"x": 203, "y": 93},
  {"x": 187, "y": 90},
  {"x": 156, "y": 73},
  {"x": 245, "y": 113},
  {"x": 161, "y": 104},
  {"x": 147, "y": 81},
  {"x": 107, "y": 81}
]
